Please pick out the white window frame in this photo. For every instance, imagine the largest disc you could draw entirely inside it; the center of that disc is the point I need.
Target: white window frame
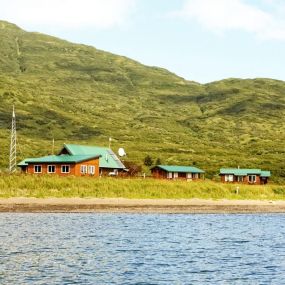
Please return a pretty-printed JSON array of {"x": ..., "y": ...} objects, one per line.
[
  {"x": 91, "y": 169},
  {"x": 229, "y": 178},
  {"x": 65, "y": 165},
  {"x": 38, "y": 165},
  {"x": 51, "y": 165},
  {"x": 169, "y": 175},
  {"x": 189, "y": 176},
  {"x": 252, "y": 178},
  {"x": 83, "y": 169},
  {"x": 175, "y": 175}
]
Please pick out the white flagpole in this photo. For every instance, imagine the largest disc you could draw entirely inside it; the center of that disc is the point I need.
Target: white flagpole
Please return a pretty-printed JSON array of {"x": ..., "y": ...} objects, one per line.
[{"x": 110, "y": 139}]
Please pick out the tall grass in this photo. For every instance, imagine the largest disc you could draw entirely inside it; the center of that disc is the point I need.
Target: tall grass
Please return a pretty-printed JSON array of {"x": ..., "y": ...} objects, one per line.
[{"x": 47, "y": 186}]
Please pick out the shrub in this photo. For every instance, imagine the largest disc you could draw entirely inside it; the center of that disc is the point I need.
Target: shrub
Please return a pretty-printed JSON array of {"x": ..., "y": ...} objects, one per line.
[{"x": 279, "y": 190}]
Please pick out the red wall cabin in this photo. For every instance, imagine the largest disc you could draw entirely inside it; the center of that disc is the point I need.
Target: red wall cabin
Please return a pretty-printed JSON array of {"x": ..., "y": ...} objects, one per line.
[{"x": 84, "y": 168}]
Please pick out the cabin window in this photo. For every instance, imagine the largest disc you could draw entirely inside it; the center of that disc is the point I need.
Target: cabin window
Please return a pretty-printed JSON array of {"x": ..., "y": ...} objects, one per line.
[
  {"x": 51, "y": 169},
  {"x": 229, "y": 178},
  {"x": 240, "y": 178},
  {"x": 189, "y": 175},
  {"x": 37, "y": 169},
  {"x": 169, "y": 175},
  {"x": 175, "y": 175},
  {"x": 65, "y": 169},
  {"x": 252, "y": 178},
  {"x": 91, "y": 169},
  {"x": 83, "y": 169}
]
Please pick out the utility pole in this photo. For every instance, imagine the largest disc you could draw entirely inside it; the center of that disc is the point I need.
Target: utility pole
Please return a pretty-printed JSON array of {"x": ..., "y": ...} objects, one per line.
[
  {"x": 52, "y": 146},
  {"x": 13, "y": 145},
  {"x": 110, "y": 140}
]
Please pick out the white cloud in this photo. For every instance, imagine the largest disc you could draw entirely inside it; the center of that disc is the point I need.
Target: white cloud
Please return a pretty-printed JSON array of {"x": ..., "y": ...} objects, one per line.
[
  {"x": 67, "y": 13},
  {"x": 221, "y": 16}
]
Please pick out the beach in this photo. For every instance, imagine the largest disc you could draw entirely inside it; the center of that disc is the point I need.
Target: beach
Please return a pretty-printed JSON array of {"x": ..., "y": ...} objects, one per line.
[{"x": 123, "y": 205}]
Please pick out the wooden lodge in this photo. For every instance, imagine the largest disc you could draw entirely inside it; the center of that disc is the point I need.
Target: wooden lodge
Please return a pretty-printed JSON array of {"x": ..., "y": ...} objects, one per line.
[
  {"x": 63, "y": 165},
  {"x": 177, "y": 172},
  {"x": 77, "y": 160},
  {"x": 244, "y": 176}
]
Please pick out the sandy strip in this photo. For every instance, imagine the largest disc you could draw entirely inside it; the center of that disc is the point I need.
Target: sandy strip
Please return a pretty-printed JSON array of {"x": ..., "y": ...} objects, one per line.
[{"x": 122, "y": 205}]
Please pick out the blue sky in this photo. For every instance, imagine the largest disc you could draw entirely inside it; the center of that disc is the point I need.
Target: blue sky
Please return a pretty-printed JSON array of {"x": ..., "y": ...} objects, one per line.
[{"x": 200, "y": 40}]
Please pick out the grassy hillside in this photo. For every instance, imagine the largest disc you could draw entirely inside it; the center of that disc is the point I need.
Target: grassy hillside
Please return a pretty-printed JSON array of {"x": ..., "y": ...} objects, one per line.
[{"x": 78, "y": 94}]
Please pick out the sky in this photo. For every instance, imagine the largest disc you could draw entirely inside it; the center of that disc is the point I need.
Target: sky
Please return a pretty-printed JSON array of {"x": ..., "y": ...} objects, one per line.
[{"x": 199, "y": 40}]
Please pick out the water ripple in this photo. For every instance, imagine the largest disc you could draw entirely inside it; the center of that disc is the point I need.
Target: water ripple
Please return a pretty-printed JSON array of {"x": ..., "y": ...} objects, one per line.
[{"x": 141, "y": 249}]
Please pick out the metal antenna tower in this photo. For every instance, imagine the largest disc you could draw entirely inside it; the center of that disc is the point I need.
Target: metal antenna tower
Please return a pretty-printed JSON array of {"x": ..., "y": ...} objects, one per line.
[{"x": 13, "y": 145}]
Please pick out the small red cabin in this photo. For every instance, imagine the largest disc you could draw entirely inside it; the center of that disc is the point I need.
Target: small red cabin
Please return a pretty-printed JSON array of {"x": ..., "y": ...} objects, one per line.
[
  {"x": 177, "y": 172},
  {"x": 244, "y": 176}
]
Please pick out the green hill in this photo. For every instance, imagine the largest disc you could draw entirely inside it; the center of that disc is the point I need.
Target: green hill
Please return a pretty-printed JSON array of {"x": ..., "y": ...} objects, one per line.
[{"x": 78, "y": 94}]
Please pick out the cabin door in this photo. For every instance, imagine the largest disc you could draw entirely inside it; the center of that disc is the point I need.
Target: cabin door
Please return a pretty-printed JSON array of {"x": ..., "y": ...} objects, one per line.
[{"x": 240, "y": 178}]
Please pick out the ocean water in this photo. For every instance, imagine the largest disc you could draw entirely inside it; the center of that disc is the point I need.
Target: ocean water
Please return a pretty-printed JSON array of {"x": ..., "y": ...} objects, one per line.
[{"x": 142, "y": 249}]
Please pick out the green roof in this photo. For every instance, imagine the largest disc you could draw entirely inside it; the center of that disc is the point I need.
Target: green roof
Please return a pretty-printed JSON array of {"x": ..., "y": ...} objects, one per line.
[
  {"x": 265, "y": 174},
  {"x": 23, "y": 162},
  {"x": 64, "y": 158},
  {"x": 108, "y": 158},
  {"x": 176, "y": 168},
  {"x": 244, "y": 172}
]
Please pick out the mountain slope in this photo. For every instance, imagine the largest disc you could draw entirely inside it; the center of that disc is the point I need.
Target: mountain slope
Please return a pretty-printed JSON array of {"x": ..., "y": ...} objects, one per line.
[{"x": 76, "y": 93}]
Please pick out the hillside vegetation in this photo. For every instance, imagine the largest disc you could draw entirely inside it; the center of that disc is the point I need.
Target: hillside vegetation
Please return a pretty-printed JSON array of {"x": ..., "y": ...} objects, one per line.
[{"x": 78, "y": 94}]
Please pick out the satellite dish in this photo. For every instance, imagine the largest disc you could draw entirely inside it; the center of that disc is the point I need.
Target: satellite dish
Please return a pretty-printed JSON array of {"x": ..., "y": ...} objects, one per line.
[{"x": 121, "y": 152}]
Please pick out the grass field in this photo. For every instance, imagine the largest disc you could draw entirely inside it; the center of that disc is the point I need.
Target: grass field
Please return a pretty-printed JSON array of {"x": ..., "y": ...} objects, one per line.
[{"x": 45, "y": 186}]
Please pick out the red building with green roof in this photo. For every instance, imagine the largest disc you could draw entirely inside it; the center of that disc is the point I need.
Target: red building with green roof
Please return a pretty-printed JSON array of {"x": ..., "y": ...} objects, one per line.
[
  {"x": 77, "y": 160},
  {"x": 245, "y": 176},
  {"x": 177, "y": 172}
]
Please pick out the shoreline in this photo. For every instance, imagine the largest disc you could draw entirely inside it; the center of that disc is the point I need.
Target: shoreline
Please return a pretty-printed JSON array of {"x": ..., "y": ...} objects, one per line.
[{"x": 123, "y": 205}]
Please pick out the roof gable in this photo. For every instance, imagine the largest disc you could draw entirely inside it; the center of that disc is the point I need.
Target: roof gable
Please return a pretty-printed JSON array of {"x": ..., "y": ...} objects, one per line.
[{"x": 108, "y": 158}]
